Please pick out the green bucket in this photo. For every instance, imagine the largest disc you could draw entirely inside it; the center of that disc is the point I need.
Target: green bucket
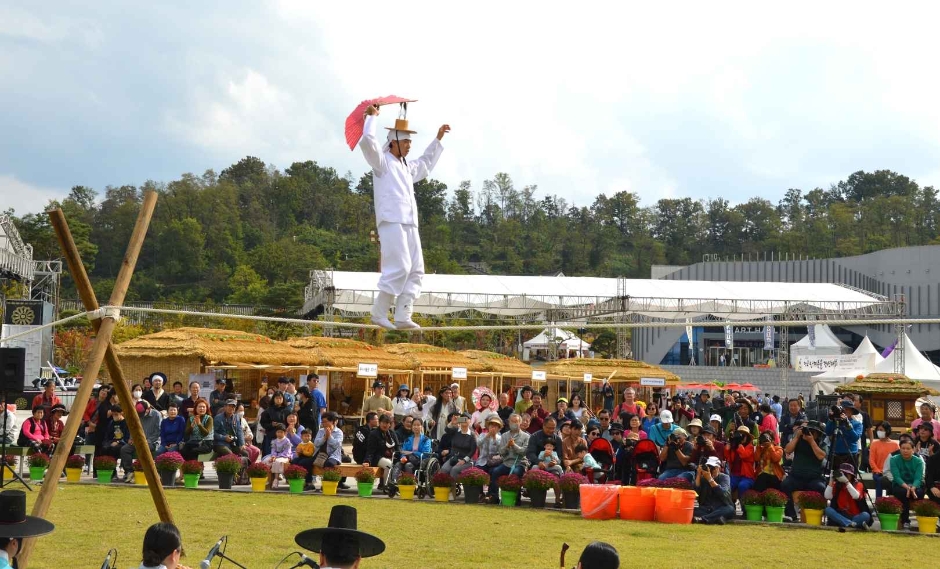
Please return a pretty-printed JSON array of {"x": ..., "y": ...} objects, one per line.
[
  {"x": 774, "y": 514},
  {"x": 104, "y": 476},
  {"x": 191, "y": 480},
  {"x": 754, "y": 513},
  {"x": 889, "y": 522},
  {"x": 36, "y": 473},
  {"x": 296, "y": 485},
  {"x": 508, "y": 498}
]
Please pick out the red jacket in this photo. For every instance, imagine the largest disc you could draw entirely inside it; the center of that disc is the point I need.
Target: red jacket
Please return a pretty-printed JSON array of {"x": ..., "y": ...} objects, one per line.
[
  {"x": 35, "y": 430},
  {"x": 41, "y": 401},
  {"x": 741, "y": 460},
  {"x": 844, "y": 501}
]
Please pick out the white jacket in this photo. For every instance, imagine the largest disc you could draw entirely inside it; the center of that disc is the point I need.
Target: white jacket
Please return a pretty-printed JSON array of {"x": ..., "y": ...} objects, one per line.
[{"x": 393, "y": 180}]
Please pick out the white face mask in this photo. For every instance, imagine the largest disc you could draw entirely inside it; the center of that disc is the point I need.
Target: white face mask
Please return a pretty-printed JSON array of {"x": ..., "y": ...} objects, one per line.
[
  {"x": 138, "y": 394},
  {"x": 880, "y": 434},
  {"x": 240, "y": 414}
]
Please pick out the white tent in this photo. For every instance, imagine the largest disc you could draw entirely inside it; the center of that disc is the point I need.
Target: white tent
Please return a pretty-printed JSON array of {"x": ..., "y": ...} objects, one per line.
[
  {"x": 916, "y": 365},
  {"x": 866, "y": 358},
  {"x": 565, "y": 340},
  {"x": 826, "y": 345}
]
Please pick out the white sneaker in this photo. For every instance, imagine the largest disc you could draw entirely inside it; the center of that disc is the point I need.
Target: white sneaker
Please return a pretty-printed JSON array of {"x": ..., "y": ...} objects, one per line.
[
  {"x": 380, "y": 310},
  {"x": 404, "y": 308}
]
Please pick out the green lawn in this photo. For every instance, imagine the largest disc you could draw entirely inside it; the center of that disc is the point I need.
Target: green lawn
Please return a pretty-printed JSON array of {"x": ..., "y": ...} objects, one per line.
[{"x": 261, "y": 527}]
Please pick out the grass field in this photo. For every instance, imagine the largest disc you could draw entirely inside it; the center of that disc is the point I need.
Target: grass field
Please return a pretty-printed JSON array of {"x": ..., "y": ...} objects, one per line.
[{"x": 261, "y": 527}]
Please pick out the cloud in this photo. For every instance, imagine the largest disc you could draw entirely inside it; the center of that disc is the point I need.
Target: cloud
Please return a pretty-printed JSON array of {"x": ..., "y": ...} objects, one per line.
[
  {"x": 666, "y": 100},
  {"x": 26, "y": 198}
]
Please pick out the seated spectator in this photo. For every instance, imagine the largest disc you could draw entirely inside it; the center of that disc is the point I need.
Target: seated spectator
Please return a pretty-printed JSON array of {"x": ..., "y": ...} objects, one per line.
[
  {"x": 548, "y": 459},
  {"x": 381, "y": 448},
  {"x": 272, "y": 417},
  {"x": 562, "y": 413},
  {"x": 158, "y": 398},
  {"x": 249, "y": 437},
  {"x": 924, "y": 442},
  {"x": 293, "y": 429},
  {"x": 488, "y": 456},
  {"x": 54, "y": 423},
  {"x": 714, "y": 493},
  {"x": 537, "y": 414},
  {"x": 589, "y": 465},
  {"x": 481, "y": 415},
  {"x": 878, "y": 452},
  {"x": 282, "y": 452},
  {"x": 537, "y": 443},
  {"x": 740, "y": 457},
  {"x": 303, "y": 457},
  {"x": 846, "y": 495},
  {"x": 415, "y": 448},
  {"x": 228, "y": 437},
  {"x": 715, "y": 422},
  {"x": 616, "y": 436},
  {"x": 34, "y": 433},
  {"x": 682, "y": 414},
  {"x": 463, "y": 446},
  {"x": 402, "y": 404},
  {"x": 660, "y": 432},
  {"x": 794, "y": 416},
  {"x": 8, "y": 435},
  {"x": 927, "y": 412},
  {"x": 650, "y": 419},
  {"x": 694, "y": 428},
  {"x": 199, "y": 431},
  {"x": 150, "y": 420},
  {"x": 172, "y": 431},
  {"x": 631, "y": 407},
  {"x": 329, "y": 441},
  {"x": 186, "y": 407},
  {"x": 526, "y": 422},
  {"x": 769, "y": 457},
  {"x": 512, "y": 448},
  {"x": 403, "y": 430},
  {"x": 932, "y": 479},
  {"x": 177, "y": 395},
  {"x": 768, "y": 423},
  {"x": 47, "y": 398},
  {"x": 742, "y": 417},
  {"x": 362, "y": 435},
  {"x": 636, "y": 428},
  {"x": 569, "y": 457},
  {"x": 906, "y": 472},
  {"x": 675, "y": 454},
  {"x": 808, "y": 447},
  {"x": 116, "y": 436}
]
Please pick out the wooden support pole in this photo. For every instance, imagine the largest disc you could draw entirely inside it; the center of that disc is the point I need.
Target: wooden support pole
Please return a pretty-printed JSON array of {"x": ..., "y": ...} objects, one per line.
[{"x": 102, "y": 351}]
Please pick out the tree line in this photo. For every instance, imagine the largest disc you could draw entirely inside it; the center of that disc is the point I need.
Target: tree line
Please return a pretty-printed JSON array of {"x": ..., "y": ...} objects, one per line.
[{"x": 251, "y": 234}]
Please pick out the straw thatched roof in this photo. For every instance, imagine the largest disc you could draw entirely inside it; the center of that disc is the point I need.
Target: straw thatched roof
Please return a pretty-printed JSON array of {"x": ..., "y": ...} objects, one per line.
[
  {"x": 629, "y": 370},
  {"x": 499, "y": 363},
  {"x": 424, "y": 357},
  {"x": 892, "y": 383},
  {"x": 213, "y": 346},
  {"x": 345, "y": 353}
]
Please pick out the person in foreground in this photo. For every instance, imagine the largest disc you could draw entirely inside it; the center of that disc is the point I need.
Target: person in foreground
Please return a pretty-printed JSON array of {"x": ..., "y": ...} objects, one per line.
[
  {"x": 714, "y": 493},
  {"x": 163, "y": 547},
  {"x": 599, "y": 555},
  {"x": 340, "y": 545},
  {"x": 15, "y": 525},
  {"x": 396, "y": 215},
  {"x": 846, "y": 495}
]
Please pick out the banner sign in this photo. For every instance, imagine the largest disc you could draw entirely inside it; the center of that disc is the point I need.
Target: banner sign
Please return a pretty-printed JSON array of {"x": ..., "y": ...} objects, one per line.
[
  {"x": 729, "y": 336},
  {"x": 368, "y": 370},
  {"x": 459, "y": 373},
  {"x": 588, "y": 377},
  {"x": 848, "y": 362},
  {"x": 652, "y": 382},
  {"x": 768, "y": 336},
  {"x": 811, "y": 332},
  {"x": 538, "y": 375}
]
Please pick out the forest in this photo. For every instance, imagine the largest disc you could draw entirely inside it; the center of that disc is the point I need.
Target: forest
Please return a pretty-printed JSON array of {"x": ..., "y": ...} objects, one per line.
[{"x": 251, "y": 233}]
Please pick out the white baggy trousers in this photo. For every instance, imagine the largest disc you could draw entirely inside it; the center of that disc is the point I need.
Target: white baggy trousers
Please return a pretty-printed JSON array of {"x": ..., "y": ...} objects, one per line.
[{"x": 402, "y": 259}]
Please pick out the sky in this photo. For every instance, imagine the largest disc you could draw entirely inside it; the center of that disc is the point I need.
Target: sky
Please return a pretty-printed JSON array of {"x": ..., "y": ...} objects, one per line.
[{"x": 674, "y": 99}]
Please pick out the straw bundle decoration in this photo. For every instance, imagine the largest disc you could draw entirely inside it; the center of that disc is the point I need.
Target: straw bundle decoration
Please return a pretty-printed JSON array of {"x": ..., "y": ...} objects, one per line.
[
  {"x": 626, "y": 369},
  {"x": 886, "y": 383},
  {"x": 499, "y": 363},
  {"x": 346, "y": 353},
  {"x": 213, "y": 346}
]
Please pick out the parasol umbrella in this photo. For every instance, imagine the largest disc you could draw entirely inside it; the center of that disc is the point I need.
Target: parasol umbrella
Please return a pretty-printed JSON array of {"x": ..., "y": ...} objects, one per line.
[
  {"x": 355, "y": 121},
  {"x": 732, "y": 386},
  {"x": 748, "y": 387}
]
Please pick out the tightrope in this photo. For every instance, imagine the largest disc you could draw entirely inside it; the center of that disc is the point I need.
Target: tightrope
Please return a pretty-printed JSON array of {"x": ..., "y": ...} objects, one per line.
[{"x": 114, "y": 311}]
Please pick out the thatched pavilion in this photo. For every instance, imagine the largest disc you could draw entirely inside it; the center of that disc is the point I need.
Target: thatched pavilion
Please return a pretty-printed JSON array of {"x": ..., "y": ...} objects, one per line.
[
  {"x": 621, "y": 373},
  {"x": 888, "y": 397}
]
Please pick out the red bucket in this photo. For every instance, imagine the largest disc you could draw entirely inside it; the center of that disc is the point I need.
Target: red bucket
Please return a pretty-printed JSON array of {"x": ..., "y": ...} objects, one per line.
[
  {"x": 638, "y": 504},
  {"x": 674, "y": 506},
  {"x": 599, "y": 501}
]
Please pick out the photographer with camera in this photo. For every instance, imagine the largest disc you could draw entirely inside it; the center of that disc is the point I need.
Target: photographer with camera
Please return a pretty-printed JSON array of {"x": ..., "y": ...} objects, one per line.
[
  {"x": 714, "y": 493},
  {"x": 705, "y": 446},
  {"x": 845, "y": 428},
  {"x": 846, "y": 495},
  {"x": 769, "y": 455},
  {"x": 808, "y": 447},
  {"x": 676, "y": 455},
  {"x": 743, "y": 410},
  {"x": 793, "y": 416},
  {"x": 739, "y": 453}
]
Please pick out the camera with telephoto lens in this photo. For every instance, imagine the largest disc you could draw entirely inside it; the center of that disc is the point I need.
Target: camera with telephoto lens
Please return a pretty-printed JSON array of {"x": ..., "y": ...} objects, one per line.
[
  {"x": 836, "y": 412},
  {"x": 700, "y": 440},
  {"x": 673, "y": 440}
]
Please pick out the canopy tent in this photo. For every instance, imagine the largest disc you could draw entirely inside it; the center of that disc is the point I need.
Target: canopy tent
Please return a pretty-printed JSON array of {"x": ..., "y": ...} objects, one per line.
[
  {"x": 916, "y": 367},
  {"x": 868, "y": 358},
  {"x": 522, "y": 295},
  {"x": 567, "y": 344},
  {"x": 827, "y": 344}
]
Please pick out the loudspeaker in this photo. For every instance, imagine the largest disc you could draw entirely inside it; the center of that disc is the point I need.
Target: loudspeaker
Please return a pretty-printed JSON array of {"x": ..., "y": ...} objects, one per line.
[{"x": 12, "y": 369}]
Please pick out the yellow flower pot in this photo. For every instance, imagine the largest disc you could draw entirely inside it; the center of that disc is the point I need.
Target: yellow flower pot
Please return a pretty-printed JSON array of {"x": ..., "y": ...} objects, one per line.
[
  {"x": 407, "y": 492},
  {"x": 926, "y": 524},
  {"x": 329, "y": 487},
  {"x": 73, "y": 474},
  {"x": 813, "y": 517},
  {"x": 441, "y": 493},
  {"x": 140, "y": 478},
  {"x": 258, "y": 484}
]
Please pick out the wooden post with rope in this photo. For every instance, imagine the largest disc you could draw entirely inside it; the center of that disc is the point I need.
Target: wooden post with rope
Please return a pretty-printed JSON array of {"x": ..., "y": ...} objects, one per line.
[{"x": 101, "y": 351}]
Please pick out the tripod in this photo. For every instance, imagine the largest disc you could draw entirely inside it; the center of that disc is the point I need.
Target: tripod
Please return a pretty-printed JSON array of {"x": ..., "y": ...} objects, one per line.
[{"x": 3, "y": 451}]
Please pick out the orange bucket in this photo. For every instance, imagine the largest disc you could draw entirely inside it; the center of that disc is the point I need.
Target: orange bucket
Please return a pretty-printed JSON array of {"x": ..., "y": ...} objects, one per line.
[
  {"x": 599, "y": 501},
  {"x": 674, "y": 506},
  {"x": 637, "y": 504}
]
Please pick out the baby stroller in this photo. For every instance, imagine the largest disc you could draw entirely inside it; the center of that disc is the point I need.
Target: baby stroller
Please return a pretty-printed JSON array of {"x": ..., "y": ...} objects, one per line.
[
  {"x": 603, "y": 453},
  {"x": 645, "y": 460}
]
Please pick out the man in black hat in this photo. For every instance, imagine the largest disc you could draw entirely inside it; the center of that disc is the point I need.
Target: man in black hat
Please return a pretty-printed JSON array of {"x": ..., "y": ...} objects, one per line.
[
  {"x": 808, "y": 447},
  {"x": 15, "y": 525},
  {"x": 378, "y": 401},
  {"x": 340, "y": 545}
]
